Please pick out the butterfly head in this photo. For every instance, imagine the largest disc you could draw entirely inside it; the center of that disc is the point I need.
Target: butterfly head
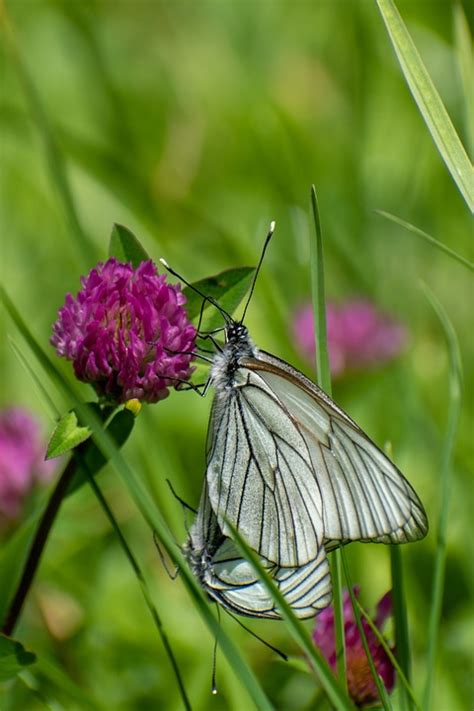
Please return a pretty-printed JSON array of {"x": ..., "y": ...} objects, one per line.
[{"x": 237, "y": 333}]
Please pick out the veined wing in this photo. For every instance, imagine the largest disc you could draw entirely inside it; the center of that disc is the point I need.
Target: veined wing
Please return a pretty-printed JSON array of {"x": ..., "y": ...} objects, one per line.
[
  {"x": 234, "y": 583},
  {"x": 260, "y": 474},
  {"x": 231, "y": 580},
  {"x": 365, "y": 497}
]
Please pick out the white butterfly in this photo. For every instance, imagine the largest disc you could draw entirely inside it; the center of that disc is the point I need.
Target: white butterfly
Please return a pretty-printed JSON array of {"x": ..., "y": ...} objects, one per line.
[
  {"x": 289, "y": 469},
  {"x": 231, "y": 580}
]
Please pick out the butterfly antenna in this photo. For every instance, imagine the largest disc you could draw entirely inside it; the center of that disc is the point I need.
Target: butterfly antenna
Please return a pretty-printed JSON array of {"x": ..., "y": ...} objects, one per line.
[
  {"x": 267, "y": 240},
  {"x": 227, "y": 318},
  {"x": 260, "y": 639},
  {"x": 214, "y": 656}
]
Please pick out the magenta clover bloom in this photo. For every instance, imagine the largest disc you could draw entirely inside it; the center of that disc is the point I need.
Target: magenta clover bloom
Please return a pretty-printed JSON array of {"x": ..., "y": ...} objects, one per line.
[
  {"x": 126, "y": 332},
  {"x": 360, "y": 682},
  {"x": 359, "y": 335},
  {"x": 22, "y": 464}
]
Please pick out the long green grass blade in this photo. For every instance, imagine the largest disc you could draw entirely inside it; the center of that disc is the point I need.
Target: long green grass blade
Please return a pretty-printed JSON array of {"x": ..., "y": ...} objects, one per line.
[
  {"x": 147, "y": 507},
  {"x": 324, "y": 381},
  {"x": 390, "y": 655},
  {"x": 454, "y": 411},
  {"x": 332, "y": 686},
  {"x": 319, "y": 299},
  {"x": 85, "y": 247},
  {"x": 428, "y": 238},
  {"x": 143, "y": 585},
  {"x": 385, "y": 701},
  {"x": 465, "y": 56},
  {"x": 429, "y": 102},
  {"x": 37, "y": 381},
  {"x": 402, "y": 641}
]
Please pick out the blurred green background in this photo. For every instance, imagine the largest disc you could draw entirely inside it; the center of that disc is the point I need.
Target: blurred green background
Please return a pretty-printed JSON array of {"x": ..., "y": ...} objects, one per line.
[{"x": 195, "y": 124}]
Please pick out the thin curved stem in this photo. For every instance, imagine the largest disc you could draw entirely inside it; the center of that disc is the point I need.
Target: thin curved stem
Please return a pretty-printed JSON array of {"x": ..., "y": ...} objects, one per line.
[{"x": 37, "y": 546}]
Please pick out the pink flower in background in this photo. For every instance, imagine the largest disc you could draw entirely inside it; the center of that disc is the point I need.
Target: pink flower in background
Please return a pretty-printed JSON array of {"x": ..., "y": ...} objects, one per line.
[
  {"x": 126, "y": 332},
  {"x": 359, "y": 335},
  {"x": 22, "y": 464},
  {"x": 360, "y": 682}
]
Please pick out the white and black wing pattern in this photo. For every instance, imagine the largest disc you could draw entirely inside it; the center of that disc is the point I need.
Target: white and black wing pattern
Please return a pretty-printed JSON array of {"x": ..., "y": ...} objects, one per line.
[
  {"x": 260, "y": 474},
  {"x": 230, "y": 579},
  {"x": 365, "y": 497}
]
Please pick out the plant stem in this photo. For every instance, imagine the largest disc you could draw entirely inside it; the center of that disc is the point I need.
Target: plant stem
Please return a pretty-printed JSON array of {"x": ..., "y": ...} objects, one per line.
[
  {"x": 37, "y": 546},
  {"x": 143, "y": 585},
  {"x": 324, "y": 381}
]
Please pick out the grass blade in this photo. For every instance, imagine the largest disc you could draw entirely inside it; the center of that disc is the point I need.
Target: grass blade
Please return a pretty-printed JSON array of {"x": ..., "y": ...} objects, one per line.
[
  {"x": 319, "y": 300},
  {"x": 402, "y": 641},
  {"x": 148, "y": 509},
  {"x": 332, "y": 686},
  {"x": 465, "y": 56},
  {"x": 385, "y": 701},
  {"x": 86, "y": 249},
  {"x": 428, "y": 238},
  {"x": 324, "y": 381},
  {"x": 429, "y": 102},
  {"x": 454, "y": 411},
  {"x": 390, "y": 655},
  {"x": 143, "y": 585}
]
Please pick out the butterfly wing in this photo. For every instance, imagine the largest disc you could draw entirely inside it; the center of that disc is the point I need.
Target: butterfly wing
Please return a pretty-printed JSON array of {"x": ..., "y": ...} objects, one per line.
[
  {"x": 307, "y": 589},
  {"x": 365, "y": 497},
  {"x": 260, "y": 474},
  {"x": 231, "y": 580}
]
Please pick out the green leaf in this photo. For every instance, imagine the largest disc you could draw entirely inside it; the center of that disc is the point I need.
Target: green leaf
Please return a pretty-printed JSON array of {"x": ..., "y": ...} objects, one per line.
[
  {"x": 228, "y": 288},
  {"x": 119, "y": 430},
  {"x": 13, "y": 658},
  {"x": 125, "y": 247},
  {"x": 429, "y": 102},
  {"x": 66, "y": 435}
]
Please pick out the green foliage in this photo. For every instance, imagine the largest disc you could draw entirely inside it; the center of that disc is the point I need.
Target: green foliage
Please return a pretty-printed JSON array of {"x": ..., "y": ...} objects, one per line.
[
  {"x": 227, "y": 288},
  {"x": 13, "y": 658},
  {"x": 219, "y": 123},
  {"x": 125, "y": 247},
  {"x": 66, "y": 435},
  {"x": 429, "y": 102}
]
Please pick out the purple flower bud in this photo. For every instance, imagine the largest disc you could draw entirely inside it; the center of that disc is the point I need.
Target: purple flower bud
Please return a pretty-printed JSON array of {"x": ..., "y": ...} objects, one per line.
[
  {"x": 126, "y": 332},
  {"x": 22, "y": 464},
  {"x": 359, "y": 336},
  {"x": 360, "y": 682}
]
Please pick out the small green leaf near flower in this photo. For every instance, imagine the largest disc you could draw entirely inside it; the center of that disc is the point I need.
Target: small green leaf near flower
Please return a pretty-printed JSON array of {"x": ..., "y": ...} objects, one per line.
[
  {"x": 125, "y": 247},
  {"x": 13, "y": 658},
  {"x": 67, "y": 435},
  {"x": 119, "y": 429}
]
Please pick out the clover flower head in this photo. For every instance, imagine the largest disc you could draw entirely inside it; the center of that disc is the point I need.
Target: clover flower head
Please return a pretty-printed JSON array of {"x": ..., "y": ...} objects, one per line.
[
  {"x": 22, "y": 464},
  {"x": 360, "y": 682},
  {"x": 359, "y": 335},
  {"x": 126, "y": 332}
]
